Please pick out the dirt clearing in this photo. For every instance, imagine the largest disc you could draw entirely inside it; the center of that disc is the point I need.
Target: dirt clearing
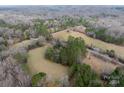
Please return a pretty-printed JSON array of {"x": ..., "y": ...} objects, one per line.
[
  {"x": 98, "y": 65},
  {"x": 38, "y": 63}
]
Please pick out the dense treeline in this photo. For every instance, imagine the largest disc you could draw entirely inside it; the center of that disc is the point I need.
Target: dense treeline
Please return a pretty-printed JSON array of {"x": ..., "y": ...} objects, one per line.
[
  {"x": 100, "y": 33},
  {"x": 71, "y": 22},
  {"x": 19, "y": 26},
  {"x": 13, "y": 33},
  {"x": 65, "y": 22},
  {"x": 84, "y": 76}
]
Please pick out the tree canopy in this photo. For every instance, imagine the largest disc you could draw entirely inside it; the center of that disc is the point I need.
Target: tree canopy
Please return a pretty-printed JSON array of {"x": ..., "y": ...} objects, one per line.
[
  {"x": 117, "y": 77},
  {"x": 84, "y": 76},
  {"x": 73, "y": 52}
]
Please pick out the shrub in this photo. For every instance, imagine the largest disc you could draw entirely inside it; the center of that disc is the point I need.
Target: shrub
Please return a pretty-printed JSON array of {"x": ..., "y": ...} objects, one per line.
[
  {"x": 83, "y": 76},
  {"x": 3, "y": 41},
  {"x": 49, "y": 53},
  {"x": 33, "y": 44},
  {"x": 52, "y": 54},
  {"x": 117, "y": 77},
  {"x": 2, "y": 23},
  {"x": 20, "y": 26},
  {"x": 110, "y": 53},
  {"x": 36, "y": 43},
  {"x": 21, "y": 57},
  {"x": 49, "y": 37},
  {"x": 37, "y": 78},
  {"x": 26, "y": 35},
  {"x": 25, "y": 67},
  {"x": 41, "y": 41},
  {"x": 2, "y": 47},
  {"x": 64, "y": 81},
  {"x": 84, "y": 22}
]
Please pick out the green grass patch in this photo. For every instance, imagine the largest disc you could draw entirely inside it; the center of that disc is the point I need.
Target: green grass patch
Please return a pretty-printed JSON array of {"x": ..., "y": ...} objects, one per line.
[{"x": 37, "y": 77}]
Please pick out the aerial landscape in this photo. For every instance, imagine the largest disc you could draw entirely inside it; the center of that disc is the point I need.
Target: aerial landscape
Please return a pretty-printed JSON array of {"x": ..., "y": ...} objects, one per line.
[{"x": 61, "y": 46}]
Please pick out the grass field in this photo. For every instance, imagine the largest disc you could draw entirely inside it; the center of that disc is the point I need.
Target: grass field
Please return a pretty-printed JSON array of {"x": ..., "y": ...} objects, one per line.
[
  {"x": 63, "y": 35},
  {"x": 38, "y": 63},
  {"x": 98, "y": 65}
]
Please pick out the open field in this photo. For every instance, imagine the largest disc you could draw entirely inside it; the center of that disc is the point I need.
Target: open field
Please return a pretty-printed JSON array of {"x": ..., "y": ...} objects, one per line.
[
  {"x": 63, "y": 35},
  {"x": 37, "y": 63},
  {"x": 98, "y": 65}
]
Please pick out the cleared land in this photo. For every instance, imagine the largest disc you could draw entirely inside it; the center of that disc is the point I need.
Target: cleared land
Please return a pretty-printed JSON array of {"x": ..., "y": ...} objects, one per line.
[
  {"x": 38, "y": 63},
  {"x": 98, "y": 65},
  {"x": 63, "y": 35}
]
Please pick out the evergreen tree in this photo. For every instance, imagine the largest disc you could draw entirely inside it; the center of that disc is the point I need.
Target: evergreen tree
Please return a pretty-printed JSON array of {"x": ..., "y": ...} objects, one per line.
[{"x": 83, "y": 76}]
